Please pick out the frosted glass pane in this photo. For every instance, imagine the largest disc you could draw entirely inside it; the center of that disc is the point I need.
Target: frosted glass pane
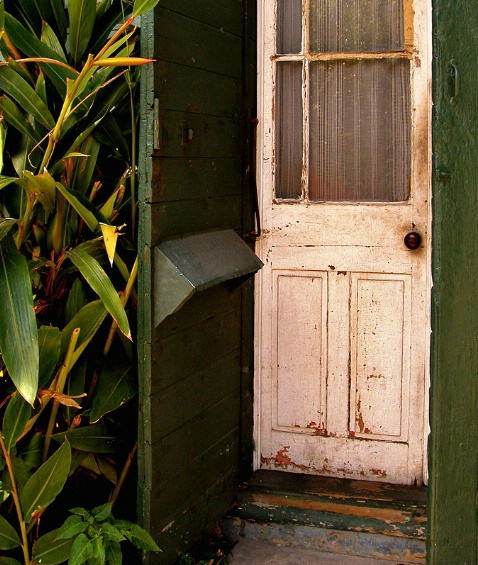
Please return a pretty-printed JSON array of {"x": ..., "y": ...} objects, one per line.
[
  {"x": 356, "y": 25},
  {"x": 289, "y": 130},
  {"x": 360, "y": 131},
  {"x": 289, "y": 26}
]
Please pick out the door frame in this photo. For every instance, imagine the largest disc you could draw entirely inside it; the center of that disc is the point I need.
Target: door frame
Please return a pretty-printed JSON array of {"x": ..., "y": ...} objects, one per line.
[{"x": 263, "y": 176}]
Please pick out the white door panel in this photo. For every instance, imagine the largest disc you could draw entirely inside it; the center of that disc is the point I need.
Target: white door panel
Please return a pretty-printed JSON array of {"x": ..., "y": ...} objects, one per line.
[{"x": 342, "y": 304}]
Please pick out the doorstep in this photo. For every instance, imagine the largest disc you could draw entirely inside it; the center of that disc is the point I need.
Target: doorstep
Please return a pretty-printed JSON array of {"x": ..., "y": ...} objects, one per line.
[{"x": 358, "y": 518}]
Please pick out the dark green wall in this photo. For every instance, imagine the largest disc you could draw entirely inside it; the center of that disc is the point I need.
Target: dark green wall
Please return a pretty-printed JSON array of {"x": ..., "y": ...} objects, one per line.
[
  {"x": 454, "y": 416},
  {"x": 199, "y": 376}
]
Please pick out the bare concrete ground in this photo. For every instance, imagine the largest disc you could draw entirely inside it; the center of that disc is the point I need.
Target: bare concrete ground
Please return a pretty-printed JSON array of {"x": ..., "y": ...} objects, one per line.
[{"x": 253, "y": 552}]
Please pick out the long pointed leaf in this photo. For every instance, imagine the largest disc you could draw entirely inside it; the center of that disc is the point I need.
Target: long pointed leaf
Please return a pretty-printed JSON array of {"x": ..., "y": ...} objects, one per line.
[
  {"x": 95, "y": 438},
  {"x": 33, "y": 47},
  {"x": 99, "y": 281},
  {"x": 6, "y": 224},
  {"x": 8, "y": 535},
  {"x": 19, "y": 89},
  {"x": 115, "y": 387},
  {"x": 18, "y": 330},
  {"x": 143, "y": 6},
  {"x": 44, "y": 485},
  {"x": 16, "y": 416},
  {"x": 49, "y": 341},
  {"x": 82, "y": 19},
  {"x": 50, "y": 551},
  {"x": 83, "y": 207},
  {"x": 88, "y": 319},
  {"x": 14, "y": 116}
]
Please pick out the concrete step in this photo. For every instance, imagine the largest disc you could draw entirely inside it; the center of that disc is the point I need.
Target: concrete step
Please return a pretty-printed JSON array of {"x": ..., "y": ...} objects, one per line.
[
  {"x": 253, "y": 552},
  {"x": 355, "y": 518}
]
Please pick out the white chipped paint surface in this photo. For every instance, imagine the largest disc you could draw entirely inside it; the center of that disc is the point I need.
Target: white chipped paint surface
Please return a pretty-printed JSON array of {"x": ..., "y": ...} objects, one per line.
[{"x": 342, "y": 310}]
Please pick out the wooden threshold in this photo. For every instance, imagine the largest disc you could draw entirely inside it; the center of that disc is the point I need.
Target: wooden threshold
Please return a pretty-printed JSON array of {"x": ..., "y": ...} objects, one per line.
[{"x": 340, "y": 504}]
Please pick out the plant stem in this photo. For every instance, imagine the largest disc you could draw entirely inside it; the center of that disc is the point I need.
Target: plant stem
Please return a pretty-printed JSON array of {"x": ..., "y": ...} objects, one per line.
[
  {"x": 65, "y": 369},
  {"x": 16, "y": 499},
  {"x": 25, "y": 220},
  {"x": 124, "y": 474},
  {"x": 69, "y": 97}
]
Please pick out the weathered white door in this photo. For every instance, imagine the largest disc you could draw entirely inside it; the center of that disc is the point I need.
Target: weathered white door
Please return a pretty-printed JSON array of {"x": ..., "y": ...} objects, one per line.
[{"x": 342, "y": 302}]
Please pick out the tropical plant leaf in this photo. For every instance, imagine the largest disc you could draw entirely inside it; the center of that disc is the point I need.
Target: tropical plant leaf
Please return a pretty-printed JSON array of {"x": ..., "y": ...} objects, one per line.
[
  {"x": 29, "y": 44},
  {"x": 140, "y": 538},
  {"x": 110, "y": 237},
  {"x": 112, "y": 533},
  {"x": 115, "y": 387},
  {"x": 19, "y": 89},
  {"x": 88, "y": 319},
  {"x": 48, "y": 36},
  {"x": 22, "y": 473},
  {"x": 49, "y": 342},
  {"x": 75, "y": 385},
  {"x": 58, "y": 9},
  {"x": 43, "y": 186},
  {"x": 46, "y": 483},
  {"x": 99, "y": 281},
  {"x": 83, "y": 207},
  {"x": 101, "y": 513},
  {"x": 81, "y": 550},
  {"x": 48, "y": 550},
  {"x": 76, "y": 299},
  {"x": 143, "y": 6},
  {"x": 16, "y": 416},
  {"x": 84, "y": 168},
  {"x": 95, "y": 438},
  {"x": 15, "y": 117},
  {"x": 72, "y": 526},
  {"x": 9, "y": 561},
  {"x": 2, "y": 17},
  {"x": 113, "y": 554},
  {"x": 107, "y": 470},
  {"x": 6, "y": 224},
  {"x": 18, "y": 330},
  {"x": 31, "y": 453},
  {"x": 31, "y": 13},
  {"x": 8, "y": 535},
  {"x": 82, "y": 20}
]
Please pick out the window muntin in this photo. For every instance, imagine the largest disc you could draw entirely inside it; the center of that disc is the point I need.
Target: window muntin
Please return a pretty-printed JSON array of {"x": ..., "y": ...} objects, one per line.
[{"x": 343, "y": 120}]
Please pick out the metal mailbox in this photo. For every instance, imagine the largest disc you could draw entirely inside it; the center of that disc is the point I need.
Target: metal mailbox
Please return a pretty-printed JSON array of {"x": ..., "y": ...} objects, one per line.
[{"x": 189, "y": 264}]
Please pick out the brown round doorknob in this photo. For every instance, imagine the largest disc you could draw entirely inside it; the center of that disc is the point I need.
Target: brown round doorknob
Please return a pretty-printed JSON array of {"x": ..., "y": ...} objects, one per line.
[{"x": 413, "y": 240}]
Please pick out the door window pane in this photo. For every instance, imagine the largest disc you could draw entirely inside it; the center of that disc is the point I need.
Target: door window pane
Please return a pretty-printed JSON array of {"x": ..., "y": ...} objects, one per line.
[
  {"x": 356, "y": 25},
  {"x": 289, "y": 130},
  {"x": 360, "y": 131},
  {"x": 289, "y": 26}
]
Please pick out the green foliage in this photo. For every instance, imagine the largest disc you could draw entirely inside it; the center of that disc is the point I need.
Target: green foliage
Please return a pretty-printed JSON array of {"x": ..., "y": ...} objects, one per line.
[
  {"x": 92, "y": 538},
  {"x": 68, "y": 268}
]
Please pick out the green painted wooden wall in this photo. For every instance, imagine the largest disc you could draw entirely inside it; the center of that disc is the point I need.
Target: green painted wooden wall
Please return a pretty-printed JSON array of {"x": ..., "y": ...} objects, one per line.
[
  {"x": 197, "y": 365},
  {"x": 454, "y": 416}
]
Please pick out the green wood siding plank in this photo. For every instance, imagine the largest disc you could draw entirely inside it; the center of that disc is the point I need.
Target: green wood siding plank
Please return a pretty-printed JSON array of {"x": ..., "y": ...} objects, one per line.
[
  {"x": 202, "y": 306},
  {"x": 185, "y": 179},
  {"x": 222, "y": 14},
  {"x": 194, "y": 394},
  {"x": 188, "y": 89},
  {"x": 212, "y": 136},
  {"x": 194, "y": 479},
  {"x": 188, "y": 216},
  {"x": 188, "y": 42},
  {"x": 195, "y": 438},
  {"x": 184, "y": 353},
  {"x": 454, "y": 395},
  {"x": 186, "y": 527}
]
